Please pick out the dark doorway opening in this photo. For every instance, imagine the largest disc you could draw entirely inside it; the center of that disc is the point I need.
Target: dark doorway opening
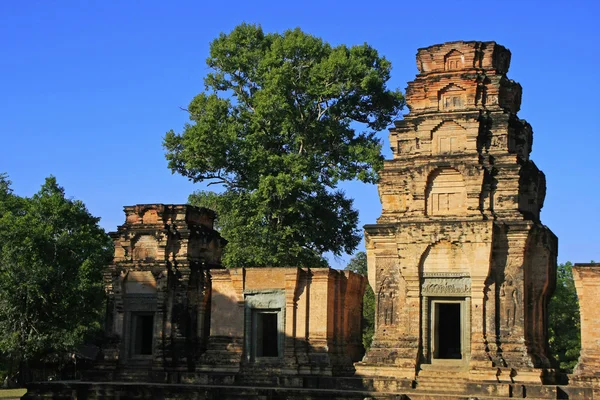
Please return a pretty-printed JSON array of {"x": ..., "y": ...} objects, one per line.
[
  {"x": 267, "y": 343},
  {"x": 144, "y": 334},
  {"x": 448, "y": 331}
]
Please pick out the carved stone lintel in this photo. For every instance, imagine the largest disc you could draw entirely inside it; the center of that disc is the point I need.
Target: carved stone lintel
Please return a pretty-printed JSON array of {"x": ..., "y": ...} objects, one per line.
[{"x": 446, "y": 286}]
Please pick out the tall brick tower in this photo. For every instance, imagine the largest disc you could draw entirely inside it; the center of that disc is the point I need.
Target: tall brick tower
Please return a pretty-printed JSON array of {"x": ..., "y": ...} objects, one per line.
[
  {"x": 158, "y": 291},
  {"x": 460, "y": 263}
]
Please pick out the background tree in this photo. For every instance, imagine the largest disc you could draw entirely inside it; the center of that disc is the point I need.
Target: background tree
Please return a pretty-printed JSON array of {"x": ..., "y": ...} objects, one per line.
[
  {"x": 52, "y": 254},
  {"x": 283, "y": 119},
  {"x": 358, "y": 264},
  {"x": 563, "y": 319}
]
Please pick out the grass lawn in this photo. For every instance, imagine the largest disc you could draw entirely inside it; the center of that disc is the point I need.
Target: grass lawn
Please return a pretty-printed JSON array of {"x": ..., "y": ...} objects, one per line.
[{"x": 12, "y": 393}]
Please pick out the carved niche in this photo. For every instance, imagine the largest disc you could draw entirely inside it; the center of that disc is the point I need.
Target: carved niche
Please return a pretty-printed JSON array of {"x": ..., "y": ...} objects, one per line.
[
  {"x": 454, "y": 60},
  {"x": 452, "y": 97},
  {"x": 448, "y": 137},
  {"x": 145, "y": 248},
  {"x": 446, "y": 193},
  {"x": 385, "y": 303},
  {"x": 510, "y": 301}
]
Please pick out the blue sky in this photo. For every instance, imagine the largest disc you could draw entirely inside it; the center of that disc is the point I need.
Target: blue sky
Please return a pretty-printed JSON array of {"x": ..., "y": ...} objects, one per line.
[{"x": 89, "y": 89}]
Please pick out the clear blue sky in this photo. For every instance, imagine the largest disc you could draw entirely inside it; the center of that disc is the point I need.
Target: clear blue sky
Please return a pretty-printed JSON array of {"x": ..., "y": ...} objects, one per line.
[{"x": 88, "y": 89}]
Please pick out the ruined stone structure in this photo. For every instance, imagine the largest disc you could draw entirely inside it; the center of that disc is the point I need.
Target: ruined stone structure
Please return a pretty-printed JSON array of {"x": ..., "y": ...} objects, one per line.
[
  {"x": 173, "y": 311},
  {"x": 460, "y": 263},
  {"x": 285, "y": 321},
  {"x": 158, "y": 290}
]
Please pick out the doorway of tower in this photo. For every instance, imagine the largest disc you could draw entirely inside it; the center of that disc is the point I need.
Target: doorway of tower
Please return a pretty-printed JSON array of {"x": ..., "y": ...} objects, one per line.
[
  {"x": 265, "y": 334},
  {"x": 447, "y": 327},
  {"x": 267, "y": 343},
  {"x": 142, "y": 328}
]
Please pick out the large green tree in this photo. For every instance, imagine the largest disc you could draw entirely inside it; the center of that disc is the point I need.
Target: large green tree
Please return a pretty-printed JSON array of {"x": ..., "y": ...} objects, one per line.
[
  {"x": 358, "y": 264},
  {"x": 564, "y": 329},
  {"x": 52, "y": 253},
  {"x": 283, "y": 119}
]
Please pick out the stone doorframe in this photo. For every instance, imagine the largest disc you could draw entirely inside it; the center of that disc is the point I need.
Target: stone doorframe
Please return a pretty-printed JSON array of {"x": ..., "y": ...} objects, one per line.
[
  {"x": 445, "y": 288},
  {"x": 136, "y": 305},
  {"x": 272, "y": 301}
]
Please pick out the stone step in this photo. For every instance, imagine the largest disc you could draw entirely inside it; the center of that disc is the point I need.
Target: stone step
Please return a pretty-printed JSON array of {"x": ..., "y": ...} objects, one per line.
[
  {"x": 305, "y": 381},
  {"x": 133, "y": 375},
  {"x": 109, "y": 390},
  {"x": 125, "y": 390},
  {"x": 443, "y": 385}
]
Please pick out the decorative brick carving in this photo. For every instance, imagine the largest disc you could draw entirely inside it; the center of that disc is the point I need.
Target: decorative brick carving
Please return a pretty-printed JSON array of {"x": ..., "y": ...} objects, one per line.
[
  {"x": 466, "y": 236},
  {"x": 158, "y": 287}
]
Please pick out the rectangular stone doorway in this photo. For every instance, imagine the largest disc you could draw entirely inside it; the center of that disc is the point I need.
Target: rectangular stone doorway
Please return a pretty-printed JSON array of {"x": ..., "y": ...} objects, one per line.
[
  {"x": 267, "y": 343},
  {"x": 264, "y": 326},
  {"x": 449, "y": 331},
  {"x": 448, "y": 343},
  {"x": 143, "y": 334}
]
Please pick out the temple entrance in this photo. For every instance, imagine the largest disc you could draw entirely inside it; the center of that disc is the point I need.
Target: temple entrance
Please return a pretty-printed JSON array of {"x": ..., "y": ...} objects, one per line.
[
  {"x": 143, "y": 334},
  {"x": 448, "y": 330},
  {"x": 267, "y": 343},
  {"x": 265, "y": 326},
  {"x": 448, "y": 321}
]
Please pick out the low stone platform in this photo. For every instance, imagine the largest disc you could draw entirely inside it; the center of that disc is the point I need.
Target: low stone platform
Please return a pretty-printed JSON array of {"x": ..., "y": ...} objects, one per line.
[
  {"x": 121, "y": 390},
  {"x": 223, "y": 387}
]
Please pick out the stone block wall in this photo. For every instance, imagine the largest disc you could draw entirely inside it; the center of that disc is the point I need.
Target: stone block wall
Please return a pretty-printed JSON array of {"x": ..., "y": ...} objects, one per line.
[
  {"x": 587, "y": 284},
  {"x": 318, "y": 315}
]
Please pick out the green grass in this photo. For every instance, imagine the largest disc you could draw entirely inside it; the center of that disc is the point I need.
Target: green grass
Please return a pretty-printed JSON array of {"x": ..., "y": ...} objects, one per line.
[{"x": 12, "y": 393}]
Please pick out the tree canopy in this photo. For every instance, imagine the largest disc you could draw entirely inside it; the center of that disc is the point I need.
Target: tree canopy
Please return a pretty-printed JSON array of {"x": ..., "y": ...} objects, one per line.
[
  {"x": 283, "y": 119},
  {"x": 358, "y": 264},
  {"x": 52, "y": 254},
  {"x": 564, "y": 320}
]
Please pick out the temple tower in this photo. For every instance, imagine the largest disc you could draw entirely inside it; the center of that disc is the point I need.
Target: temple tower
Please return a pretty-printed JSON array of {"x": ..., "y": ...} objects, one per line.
[
  {"x": 459, "y": 261},
  {"x": 158, "y": 290}
]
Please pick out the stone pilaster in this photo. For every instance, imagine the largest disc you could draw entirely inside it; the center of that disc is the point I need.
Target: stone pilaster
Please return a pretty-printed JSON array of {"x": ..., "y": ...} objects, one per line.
[
  {"x": 291, "y": 316},
  {"x": 587, "y": 284}
]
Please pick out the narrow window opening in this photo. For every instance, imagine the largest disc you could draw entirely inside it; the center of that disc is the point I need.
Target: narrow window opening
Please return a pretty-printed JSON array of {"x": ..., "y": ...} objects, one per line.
[
  {"x": 267, "y": 343},
  {"x": 448, "y": 331}
]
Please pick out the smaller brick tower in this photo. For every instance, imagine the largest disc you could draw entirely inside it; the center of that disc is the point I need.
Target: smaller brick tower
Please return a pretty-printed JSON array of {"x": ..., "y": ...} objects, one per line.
[
  {"x": 158, "y": 288},
  {"x": 460, "y": 263}
]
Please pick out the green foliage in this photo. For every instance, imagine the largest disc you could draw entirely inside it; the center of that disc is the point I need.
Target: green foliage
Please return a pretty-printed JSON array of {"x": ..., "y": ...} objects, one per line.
[
  {"x": 277, "y": 128},
  {"x": 358, "y": 264},
  {"x": 12, "y": 393},
  {"x": 563, "y": 319},
  {"x": 52, "y": 254}
]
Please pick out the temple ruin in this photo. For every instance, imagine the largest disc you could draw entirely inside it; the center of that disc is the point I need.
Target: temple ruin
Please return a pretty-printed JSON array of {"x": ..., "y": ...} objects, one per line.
[
  {"x": 174, "y": 312},
  {"x": 158, "y": 289},
  {"x": 460, "y": 263}
]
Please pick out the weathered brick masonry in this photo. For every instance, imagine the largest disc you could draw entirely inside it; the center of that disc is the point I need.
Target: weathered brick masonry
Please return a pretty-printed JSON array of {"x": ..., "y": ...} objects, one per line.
[
  {"x": 460, "y": 231},
  {"x": 460, "y": 263}
]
